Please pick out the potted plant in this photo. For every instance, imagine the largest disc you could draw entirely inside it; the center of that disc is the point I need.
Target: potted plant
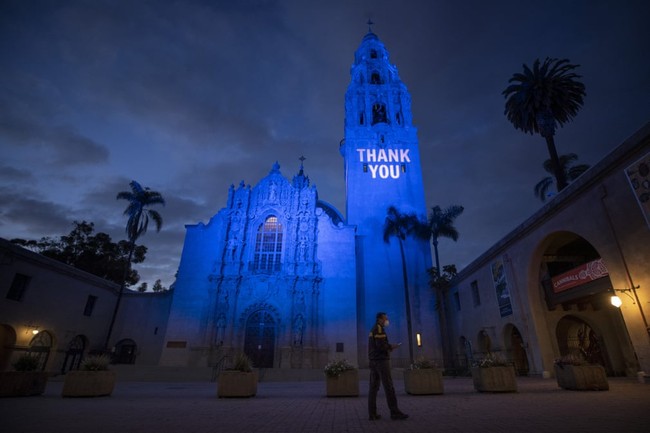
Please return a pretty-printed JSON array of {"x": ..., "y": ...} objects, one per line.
[
  {"x": 494, "y": 374},
  {"x": 26, "y": 380},
  {"x": 572, "y": 371},
  {"x": 341, "y": 379},
  {"x": 239, "y": 380},
  {"x": 423, "y": 377},
  {"x": 93, "y": 379}
]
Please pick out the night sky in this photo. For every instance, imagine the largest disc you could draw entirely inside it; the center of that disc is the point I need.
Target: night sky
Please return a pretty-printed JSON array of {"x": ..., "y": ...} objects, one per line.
[{"x": 188, "y": 97}]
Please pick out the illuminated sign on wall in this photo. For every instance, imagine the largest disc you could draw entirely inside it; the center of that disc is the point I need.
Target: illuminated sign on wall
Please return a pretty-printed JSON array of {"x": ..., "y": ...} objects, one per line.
[
  {"x": 582, "y": 274},
  {"x": 384, "y": 163}
]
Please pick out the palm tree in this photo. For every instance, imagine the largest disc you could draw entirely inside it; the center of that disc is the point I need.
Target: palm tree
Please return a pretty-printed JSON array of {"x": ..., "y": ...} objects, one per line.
[
  {"x": 542, "y": 98},
  {"x": 441, "y": 225},
  {"x": 400, "y": 226},
  {"x": 571, "y": 173},
  {"x": 139, "y": 214}
]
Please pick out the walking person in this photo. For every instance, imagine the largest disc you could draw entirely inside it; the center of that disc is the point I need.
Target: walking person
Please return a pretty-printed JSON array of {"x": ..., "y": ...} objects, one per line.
[{"x": 379, "y": 359}]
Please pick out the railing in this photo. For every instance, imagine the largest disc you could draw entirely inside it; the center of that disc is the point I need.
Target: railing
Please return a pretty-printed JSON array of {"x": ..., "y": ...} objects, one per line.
[{"x": 216, "y": 368}]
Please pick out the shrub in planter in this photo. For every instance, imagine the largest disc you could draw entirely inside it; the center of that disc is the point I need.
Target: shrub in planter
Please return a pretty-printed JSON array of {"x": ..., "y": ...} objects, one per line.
[
  {"x": 341, "y": 379},
  {"x": 26, "y": 362},
  {"x": 239, "y": 380},
  {"x": 494, "y": 374},
  {"x": 573, "y": 372},
  {"x": 423, "y": 377},
  {"x": 93, "y": 379},
  {"x": 25, "y": 381}
]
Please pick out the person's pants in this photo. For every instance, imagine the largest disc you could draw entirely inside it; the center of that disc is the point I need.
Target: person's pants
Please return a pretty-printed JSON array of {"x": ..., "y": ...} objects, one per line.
[{"x": 380, "y": 373}]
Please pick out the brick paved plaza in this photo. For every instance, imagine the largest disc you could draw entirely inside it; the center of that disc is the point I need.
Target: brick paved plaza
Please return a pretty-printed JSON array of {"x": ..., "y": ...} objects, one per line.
[{"x": 282, "y": 407}]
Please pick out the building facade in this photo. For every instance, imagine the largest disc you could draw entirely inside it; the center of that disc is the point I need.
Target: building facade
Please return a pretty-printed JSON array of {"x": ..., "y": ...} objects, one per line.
[
  {"x": 545, "y": 290},
  {"x": 282, "y": 276},
  {"x": 61, "y": 314},
  {"x": 286, "y": 278}
]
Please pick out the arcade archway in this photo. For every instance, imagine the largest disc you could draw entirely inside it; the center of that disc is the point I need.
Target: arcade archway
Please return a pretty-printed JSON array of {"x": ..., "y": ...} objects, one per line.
[
  {"x": 576, "y": 287},
  {"x": 7, "y": 343}
]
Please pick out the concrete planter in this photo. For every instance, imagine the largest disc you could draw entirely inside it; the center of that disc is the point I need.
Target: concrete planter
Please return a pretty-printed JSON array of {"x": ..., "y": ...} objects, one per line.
[
  {"x": 22, "y": 383},
  {"x": 344, "y": 385},
  {"x": 581, "y": 377},
  {"x": 88, "y": 383},
  {"x": 494, "y": 379},
  {"x": 423, "y": 381},
  {"x": 234, "y": 383}
]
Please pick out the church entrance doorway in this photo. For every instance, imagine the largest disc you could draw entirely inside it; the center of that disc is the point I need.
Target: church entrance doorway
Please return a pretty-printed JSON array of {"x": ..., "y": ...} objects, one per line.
[{"x": 259, "y": 343}]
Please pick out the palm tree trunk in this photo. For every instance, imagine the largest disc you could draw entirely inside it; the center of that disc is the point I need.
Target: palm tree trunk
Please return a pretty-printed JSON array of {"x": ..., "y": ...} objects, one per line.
[
  {"x": 435, "y": 250},
  {"x": 407, "y": 297},
  {"x": 442, "y": 311},
  {"x": 127, "y": 267},
  {"x": 560, "y": 177}
]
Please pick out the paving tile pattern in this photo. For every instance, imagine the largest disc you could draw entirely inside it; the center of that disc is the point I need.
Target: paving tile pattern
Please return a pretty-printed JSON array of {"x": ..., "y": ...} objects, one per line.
[{"x": 286, "y": 407}]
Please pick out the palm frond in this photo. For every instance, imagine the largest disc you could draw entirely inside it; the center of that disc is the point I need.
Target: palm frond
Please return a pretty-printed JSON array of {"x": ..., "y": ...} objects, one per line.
[
  {"x": 138, "y": 211},
  {"x": 542, "y": 187},
  {"x": 549, "y": 93}
]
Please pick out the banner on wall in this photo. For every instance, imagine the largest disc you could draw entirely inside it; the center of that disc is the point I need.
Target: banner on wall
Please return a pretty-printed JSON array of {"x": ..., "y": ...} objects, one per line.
[
  {"x": 638, "y": 174},
  {"x": 501, "y": 287},
  {"x": 580, "y": 275}
]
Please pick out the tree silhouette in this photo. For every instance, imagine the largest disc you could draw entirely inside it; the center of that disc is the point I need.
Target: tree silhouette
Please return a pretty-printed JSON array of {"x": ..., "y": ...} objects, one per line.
[
  {"x": 401, "y": 226},
  {"x": 138, "y": 214},
  {"x": 441, "y": 225},
  {"x": 543, "y": 97},
  {"x": 571, "y": 173},
  {"x": 91, "y": 252}
]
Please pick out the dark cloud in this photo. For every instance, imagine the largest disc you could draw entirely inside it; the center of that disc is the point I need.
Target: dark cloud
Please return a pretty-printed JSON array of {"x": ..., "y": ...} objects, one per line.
[
  {"x": 27, "y": 217},
  {"x": 15, "y": 175}
]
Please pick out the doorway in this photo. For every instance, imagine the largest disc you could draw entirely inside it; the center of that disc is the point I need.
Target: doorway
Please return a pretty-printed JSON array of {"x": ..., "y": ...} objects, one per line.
[
  {"x": 73, "y": 354},
  {"x": 519, "y": 355},
  {"x": 259, "y": 343},
  {"x": 575, "y": 336}
]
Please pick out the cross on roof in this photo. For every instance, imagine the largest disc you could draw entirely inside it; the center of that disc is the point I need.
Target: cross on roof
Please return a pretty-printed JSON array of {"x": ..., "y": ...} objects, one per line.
[{"x": 370, "y": 23}]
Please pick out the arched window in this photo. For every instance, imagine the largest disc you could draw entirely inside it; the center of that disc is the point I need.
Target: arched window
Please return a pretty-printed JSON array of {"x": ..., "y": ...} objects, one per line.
[
  {"x": 73, "y": 354},
  {"x": 125, "y": 352},
  {"x": 40, "y": 347},
  {"x": 373, "y": 54},
  {"x": 268, "y": 246},
  {"x": 375, "y": 78},
  {"x": 379, "y": 113}
]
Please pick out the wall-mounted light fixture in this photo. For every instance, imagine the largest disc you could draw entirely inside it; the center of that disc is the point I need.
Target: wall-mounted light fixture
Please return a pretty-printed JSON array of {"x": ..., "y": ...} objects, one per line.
[
  {"x": 30, "y": 328},
  {"x": 616, "y": 301},
  {"x": 418, "y": 339}
]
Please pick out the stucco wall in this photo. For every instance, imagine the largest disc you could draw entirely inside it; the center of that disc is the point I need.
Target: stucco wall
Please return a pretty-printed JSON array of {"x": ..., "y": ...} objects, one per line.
[{"x": 601, "y": 208}]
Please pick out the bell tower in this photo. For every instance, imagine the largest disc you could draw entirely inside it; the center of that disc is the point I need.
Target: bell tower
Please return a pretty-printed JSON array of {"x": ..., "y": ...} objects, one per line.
[{"x": 382, "y": 169}]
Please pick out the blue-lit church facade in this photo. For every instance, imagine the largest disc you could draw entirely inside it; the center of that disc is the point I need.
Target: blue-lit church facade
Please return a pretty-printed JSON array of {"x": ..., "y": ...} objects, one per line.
[{"x": 282, "y": 276}]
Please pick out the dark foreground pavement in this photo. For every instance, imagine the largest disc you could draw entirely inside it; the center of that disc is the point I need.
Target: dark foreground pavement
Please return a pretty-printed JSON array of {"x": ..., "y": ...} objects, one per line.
[{"x": 285, "y": 407}]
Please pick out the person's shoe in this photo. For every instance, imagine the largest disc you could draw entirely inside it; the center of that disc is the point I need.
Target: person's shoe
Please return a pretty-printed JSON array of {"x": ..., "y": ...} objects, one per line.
[
  {"x": 398, "y": 415},
  {"x": 374, "y": 417}
]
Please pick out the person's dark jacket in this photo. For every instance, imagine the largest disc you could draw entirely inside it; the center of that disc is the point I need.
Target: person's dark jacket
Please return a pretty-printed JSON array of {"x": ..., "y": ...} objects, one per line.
[{"x": 378, "y": 346}]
